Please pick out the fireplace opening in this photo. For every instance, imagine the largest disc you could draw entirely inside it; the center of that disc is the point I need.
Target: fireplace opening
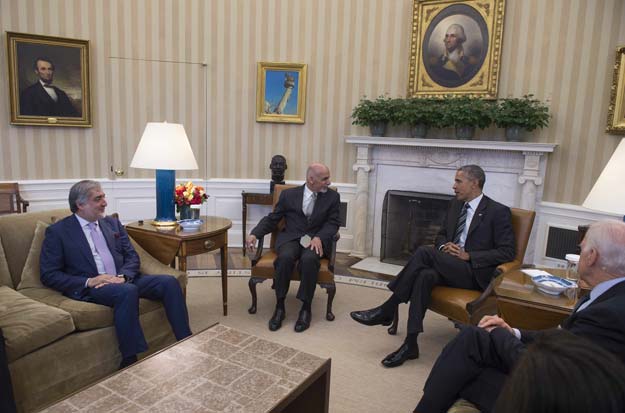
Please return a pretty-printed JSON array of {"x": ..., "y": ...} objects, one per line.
[{"x": 409, "y": 220}]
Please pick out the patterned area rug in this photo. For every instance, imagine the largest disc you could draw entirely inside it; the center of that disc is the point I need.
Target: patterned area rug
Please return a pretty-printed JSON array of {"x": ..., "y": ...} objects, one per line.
[{"x": 341, "y": 279}]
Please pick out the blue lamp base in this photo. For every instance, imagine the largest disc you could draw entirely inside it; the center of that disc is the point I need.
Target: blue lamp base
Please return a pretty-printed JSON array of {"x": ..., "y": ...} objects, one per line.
[{"x": 165, "y": 212}]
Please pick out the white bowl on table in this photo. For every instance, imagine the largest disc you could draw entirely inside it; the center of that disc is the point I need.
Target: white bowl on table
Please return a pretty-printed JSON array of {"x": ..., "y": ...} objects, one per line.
[
  {"x": 190, "y": 224},
  {"x": 552, "y": 285}
]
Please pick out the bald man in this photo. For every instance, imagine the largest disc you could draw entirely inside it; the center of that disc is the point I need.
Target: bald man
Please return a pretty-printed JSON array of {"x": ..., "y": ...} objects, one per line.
[{"x": 311, "y": 214}]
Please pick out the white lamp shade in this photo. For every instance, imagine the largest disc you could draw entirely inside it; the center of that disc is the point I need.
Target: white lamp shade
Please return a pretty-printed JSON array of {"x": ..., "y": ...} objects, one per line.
[
  {"x": 607, "y": 194},
  {"x": 164, "y": 146}
]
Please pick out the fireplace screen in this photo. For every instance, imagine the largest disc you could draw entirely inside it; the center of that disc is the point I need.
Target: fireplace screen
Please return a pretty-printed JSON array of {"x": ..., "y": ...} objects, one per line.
[{"x": 409, "y": 220}]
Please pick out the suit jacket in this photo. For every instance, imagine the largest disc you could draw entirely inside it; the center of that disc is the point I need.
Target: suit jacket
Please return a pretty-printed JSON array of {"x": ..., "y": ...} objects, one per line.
[
  {"x": 323, "y": 223},
  {"x": 35, "y": 101},
  {"x": 490, "y": 240},
  {"x": 602, "y": 322},
  {"x": 66, "y": 259}
]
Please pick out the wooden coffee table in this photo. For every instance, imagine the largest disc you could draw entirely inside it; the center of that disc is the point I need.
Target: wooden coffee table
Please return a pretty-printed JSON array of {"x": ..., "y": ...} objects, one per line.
[
  {"x": 217, "y": 370},
  {"x": 523, "y": 306}
]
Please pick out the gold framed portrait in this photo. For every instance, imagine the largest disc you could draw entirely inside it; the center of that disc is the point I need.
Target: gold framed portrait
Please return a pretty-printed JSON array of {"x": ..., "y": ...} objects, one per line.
[
  {"x": 281, "y": 92},
  {"x": 48, "y": 80},
  {"x": 455, "y": 48},
  {"x": 616, "y": 110}
]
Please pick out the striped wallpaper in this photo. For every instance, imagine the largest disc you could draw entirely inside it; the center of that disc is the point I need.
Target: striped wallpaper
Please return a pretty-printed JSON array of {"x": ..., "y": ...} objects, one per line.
[{"x": 194, "y": 62}]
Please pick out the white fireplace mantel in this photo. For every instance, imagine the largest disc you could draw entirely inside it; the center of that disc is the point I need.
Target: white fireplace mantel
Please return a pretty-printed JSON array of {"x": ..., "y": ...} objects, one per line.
[{"x": 514, "y": 175}]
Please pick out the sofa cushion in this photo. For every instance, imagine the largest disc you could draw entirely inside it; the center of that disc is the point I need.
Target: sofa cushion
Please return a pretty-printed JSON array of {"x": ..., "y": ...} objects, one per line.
[
  {"x": 86, "y": 316},
  {"x": 28, "y": 324},
  {"x": 5, "y": 275},
  {"x": 16, "y": 235},
  {"x": 30, "y": 277}
]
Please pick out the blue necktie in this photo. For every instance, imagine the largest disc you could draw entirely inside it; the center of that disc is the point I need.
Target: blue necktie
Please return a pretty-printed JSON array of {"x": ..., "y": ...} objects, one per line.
[
  {"x": 102, "y": 249},
  {"x": 462, "y": 220}
]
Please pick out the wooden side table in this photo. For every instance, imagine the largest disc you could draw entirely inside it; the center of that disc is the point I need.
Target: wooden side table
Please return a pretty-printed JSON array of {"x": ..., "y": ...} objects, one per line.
[
  {"x": 256, "y": 199},
  {"x": 523, "y": 306},
  {"x": 167, "y": 244}
]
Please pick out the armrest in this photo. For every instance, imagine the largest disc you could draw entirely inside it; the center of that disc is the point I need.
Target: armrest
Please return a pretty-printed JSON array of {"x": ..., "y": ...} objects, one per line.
[
  {"x": 259, "y": 251},
  {"x": 507, "y": 266},
  {"x": 25, "y": 204},
  {"x": 332, "y": 254},
  {"x": 501, "y": 269},
  {"x": 475, "y": 304}
]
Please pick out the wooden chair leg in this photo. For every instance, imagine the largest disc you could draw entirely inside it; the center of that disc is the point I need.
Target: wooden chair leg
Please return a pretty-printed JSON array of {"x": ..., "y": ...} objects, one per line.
[
  {"x": 392, "y": 330},
  {"x": 252, "y": 284},
  {"x": 331, "y": 289}
]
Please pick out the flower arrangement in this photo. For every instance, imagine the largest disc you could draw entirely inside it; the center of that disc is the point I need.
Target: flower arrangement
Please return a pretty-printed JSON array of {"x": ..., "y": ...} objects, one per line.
[{"x": 189, "y": 194}]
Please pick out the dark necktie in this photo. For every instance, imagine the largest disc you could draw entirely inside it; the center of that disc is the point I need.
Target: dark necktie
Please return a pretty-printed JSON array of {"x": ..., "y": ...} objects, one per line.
[
  {"x": 462, "y": 220},
  {"x": 102, "y": 249},
  {"x": 580, "y": 302}
]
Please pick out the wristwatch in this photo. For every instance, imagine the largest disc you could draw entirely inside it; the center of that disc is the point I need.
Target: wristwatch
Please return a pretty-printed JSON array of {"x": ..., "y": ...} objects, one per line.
[{"x": 122, "y": 276}]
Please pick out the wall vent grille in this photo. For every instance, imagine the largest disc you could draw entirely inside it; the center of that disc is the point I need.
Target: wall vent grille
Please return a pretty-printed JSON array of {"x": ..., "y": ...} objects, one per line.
[{"x": 561, "y": 241}]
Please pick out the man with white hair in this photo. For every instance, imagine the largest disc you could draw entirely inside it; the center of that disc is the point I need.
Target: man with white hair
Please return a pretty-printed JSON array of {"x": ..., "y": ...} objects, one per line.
[
  {"x": 453, "y": 67},
  {"x": 476, "y": 363}
]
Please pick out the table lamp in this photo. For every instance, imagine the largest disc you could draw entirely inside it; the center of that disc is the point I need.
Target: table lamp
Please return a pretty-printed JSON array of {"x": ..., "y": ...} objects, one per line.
[
  {"x": 607, "y": 194},
  {"x": 164, "y": 147}
]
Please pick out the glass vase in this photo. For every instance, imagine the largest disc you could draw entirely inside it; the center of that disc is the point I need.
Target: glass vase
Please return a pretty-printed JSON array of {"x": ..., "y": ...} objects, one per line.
[{"x": 189, "y": 212}]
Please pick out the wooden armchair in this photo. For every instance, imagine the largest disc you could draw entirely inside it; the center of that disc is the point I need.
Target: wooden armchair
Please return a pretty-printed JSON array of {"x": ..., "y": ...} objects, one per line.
[
  {"x": 262, "y": 264},
  {"x": 469, "y": 306},
  {"x": 10, "y": 200}
]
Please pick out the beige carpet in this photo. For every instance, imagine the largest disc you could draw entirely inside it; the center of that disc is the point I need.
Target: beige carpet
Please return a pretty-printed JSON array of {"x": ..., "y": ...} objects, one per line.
[{"x": 359, "y": 382}]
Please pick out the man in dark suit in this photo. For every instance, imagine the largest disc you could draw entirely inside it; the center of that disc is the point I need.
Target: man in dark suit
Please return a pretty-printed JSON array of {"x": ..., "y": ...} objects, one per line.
[
  {"x": 474, "y": 239},
  {"x": 475, "y": 364},
  {"x": 311, "y": 214},
  {"x": 42, "y": 98},
  {"x": 88, "y": 256}
]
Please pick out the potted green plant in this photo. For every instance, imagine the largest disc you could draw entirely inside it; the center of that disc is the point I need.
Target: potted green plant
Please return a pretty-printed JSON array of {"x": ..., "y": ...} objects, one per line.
[
  {"x": 465, "y": 113},
  {"x": 374, "y": 113},
  {"x": 518, "y": 115},
  {"x": 420, "y": 114}
]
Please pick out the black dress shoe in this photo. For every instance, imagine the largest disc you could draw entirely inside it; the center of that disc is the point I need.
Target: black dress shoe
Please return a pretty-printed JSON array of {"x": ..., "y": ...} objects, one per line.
[
  {"x": 303, "y": 321},
  {"x": 372, "y": 317},
  {"x": 276, "y": 320},
  {"x": 397, "y": 358}
]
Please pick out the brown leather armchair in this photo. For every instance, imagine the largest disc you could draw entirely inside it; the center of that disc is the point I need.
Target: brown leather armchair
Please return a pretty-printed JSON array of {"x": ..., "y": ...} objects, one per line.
[
  {"x": 262, "y": 264},
  {"x": 10, "y": 200},
  {"x": 469, "y": 306}
]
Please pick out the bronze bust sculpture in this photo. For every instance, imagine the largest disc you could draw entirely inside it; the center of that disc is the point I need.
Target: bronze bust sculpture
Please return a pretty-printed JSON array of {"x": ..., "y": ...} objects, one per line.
[{"x": 277, "y": 166}]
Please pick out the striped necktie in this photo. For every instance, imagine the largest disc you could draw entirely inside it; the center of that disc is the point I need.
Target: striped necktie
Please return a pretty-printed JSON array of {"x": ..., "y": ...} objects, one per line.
[{"x": 462, "y": 220}]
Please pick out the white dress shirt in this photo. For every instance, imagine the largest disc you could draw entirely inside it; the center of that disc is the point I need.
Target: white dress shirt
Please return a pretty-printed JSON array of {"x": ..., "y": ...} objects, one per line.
[{"x": 307, "y": 199}]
